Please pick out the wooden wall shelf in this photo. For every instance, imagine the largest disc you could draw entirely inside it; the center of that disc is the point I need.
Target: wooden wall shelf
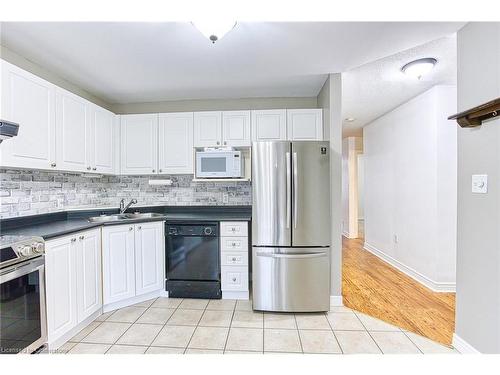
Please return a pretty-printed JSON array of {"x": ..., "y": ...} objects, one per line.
[{"x": 475, "y": 116}]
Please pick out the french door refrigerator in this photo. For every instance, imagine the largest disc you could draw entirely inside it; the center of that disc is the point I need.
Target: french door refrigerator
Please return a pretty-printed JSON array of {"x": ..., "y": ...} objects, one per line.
[{"x": 291, "y": 226}]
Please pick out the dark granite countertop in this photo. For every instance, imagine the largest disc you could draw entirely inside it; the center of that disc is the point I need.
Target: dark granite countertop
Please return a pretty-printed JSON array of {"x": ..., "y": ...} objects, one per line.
[{"x": 63, "y": 223}]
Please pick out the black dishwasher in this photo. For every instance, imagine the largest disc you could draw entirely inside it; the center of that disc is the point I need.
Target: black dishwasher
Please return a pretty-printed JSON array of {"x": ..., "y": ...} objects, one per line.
[{"x": 192, "y": 260}]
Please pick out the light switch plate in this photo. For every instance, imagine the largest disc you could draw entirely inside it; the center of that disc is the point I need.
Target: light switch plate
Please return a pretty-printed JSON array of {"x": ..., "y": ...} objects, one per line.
[{"x": 480, "y": 183}]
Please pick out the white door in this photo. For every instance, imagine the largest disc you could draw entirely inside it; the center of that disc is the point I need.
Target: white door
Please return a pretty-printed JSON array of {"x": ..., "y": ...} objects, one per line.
[
  {"x": 88, "y": 273},
  {"x": 236, "y": 128},
  {"x": 60, "y": 274},
  {"x": 207, "y": 129},
  {"x": 139, "y": 142},
  {"x": 305, "y": 124},
  {"x": 149, "y": 255},
  {"x": 102, "y": 145},
  {"x": 269, "y": 125},
  {"x": 175, "y": 136},
  {"x": 30, "y": 102},
  {"x": 118, "y": 263},
  {"x": 73, "y": 132}
]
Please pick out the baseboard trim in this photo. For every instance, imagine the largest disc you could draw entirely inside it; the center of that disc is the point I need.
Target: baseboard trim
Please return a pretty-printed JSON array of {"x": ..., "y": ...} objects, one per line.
[
  {"x": 336, "y": 301},
  {"x": 441, "y": 287},
  {"x": 235, "y": 295},
  {"x": 463, "y": 346}
]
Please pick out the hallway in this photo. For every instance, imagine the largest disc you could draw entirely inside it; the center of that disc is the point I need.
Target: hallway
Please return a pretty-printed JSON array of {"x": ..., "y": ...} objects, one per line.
[{"x": 374, "y": 287}]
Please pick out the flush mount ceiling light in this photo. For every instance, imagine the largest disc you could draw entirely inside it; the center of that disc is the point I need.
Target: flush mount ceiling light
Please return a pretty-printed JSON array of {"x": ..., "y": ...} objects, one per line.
[
  {"x": 350, "y": 119},
  {"x": 419, "y": 67},
  {"x": 214, "y": 29}
]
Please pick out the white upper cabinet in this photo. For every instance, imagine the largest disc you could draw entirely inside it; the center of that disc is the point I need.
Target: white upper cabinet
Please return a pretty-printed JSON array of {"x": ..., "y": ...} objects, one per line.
[
  {"x": 305, "y": 124},
  {"x": 149, "y": 255},
  {"x": 269, "y": 125},
  {"x": 175, "y": 138},
  {"x": 139, "y": 144},
  {"x": 102, "y": 136},
  {"x": 29, "y": 101},
  {"x": 207, "y": 129},
  {"x": 73, "y": 132},
  {"x": 236, "y": 128}
]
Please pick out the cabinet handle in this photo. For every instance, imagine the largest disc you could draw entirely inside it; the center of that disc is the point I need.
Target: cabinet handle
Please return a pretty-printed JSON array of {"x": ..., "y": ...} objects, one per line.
[
  {"x": 81, "y": 237},
  {"x": 131, "y": 228},
  {"x": 88, "y": 168},
  {"x": 73, "y": 240},
  {"x": 233, "y": 229},
  {"x": 94, "y": 169},
  {"x": 53, "y": 165},
  {"x": 234, "y": 279}
]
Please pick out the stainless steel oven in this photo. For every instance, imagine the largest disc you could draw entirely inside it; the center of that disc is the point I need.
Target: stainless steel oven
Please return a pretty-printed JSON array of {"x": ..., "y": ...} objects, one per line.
[{"x": 23, "y": 322}]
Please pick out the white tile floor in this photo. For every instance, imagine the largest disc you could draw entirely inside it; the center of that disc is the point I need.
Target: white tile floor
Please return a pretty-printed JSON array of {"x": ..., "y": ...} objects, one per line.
[{"x": 190, "y": 326}]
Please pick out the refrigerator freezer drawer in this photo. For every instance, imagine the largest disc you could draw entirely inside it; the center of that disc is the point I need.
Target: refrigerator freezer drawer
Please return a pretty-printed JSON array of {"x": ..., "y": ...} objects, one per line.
[{"x": 291, "y": 280}]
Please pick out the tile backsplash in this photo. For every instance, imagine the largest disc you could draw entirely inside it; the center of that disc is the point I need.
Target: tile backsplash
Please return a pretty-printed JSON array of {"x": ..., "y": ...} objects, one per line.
[{"x": 27, "y": 192}]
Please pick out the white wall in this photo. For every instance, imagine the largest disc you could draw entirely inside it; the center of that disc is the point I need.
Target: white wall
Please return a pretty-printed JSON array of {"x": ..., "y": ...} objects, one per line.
[
  {"x": 410, "y": 187},
  {"x": 361, "y": 186},
  {"x": 351, "y": 148}
]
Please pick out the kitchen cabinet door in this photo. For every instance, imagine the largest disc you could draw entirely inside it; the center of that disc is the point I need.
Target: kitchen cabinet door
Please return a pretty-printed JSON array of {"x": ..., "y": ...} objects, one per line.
[
  {"x": 102, "y": 140},
  {"x": 88, "y": 273},
  {"x": 207, "y": 129},
  {"x": 175, "y": 136},
  {"x": 139, "y": 144},
  {"x": 305, "y": 124},
  {"x": 60, "y": 264},
  {"x": 118, "y": 263},
  {"x": 30, "y": 102},
  {"x": 236, "y": 128},
  {"x": 269, "y": 125},
  {"x": 73, "y": 132},
  {"x": 149, "y": 257}
]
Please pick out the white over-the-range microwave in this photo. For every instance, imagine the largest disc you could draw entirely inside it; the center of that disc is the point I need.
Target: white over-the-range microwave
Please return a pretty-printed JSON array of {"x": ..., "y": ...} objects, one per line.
[{"x": 219, "y": 164}]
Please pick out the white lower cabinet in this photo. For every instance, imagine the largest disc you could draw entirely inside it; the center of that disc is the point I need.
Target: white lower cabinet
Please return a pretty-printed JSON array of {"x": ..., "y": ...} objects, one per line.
[
  {"x": 73, "y": 280},
  {"x": 133, "y": 260},
  {"x": 234, "y": 259}
]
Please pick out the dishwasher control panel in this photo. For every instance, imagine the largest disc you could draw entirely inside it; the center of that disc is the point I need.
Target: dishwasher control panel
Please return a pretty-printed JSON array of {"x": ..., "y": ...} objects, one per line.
[{"x": 203, "y": 229}]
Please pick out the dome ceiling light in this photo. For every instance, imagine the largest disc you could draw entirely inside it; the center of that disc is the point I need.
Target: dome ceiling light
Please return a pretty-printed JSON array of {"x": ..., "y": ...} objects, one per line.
[
  {"x": 214, "y": 30},
  {"x": 419, "y": 67}
]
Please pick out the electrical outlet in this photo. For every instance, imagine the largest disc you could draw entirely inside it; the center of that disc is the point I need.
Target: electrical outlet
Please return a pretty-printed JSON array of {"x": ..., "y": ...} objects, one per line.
[
  {"x": 225, "y": 198},
  {"x": 480, "y": 183}
]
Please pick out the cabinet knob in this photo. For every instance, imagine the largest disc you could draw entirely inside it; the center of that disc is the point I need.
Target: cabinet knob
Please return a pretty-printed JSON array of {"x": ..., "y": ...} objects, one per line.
[
  {"x": 160, "y": 171},
  {"x": 94, "y": 169},
  {"x": 234, "y": 244},
  {"x": 218, "y": 142},
  {"x": 225, "y": 142},
  {"x": 53, "y": 165},
  {"x": 73, "y": 240},
  {"x": 131, "y": 228},
  {"x": 81, "y": 237},
  {"x": 139, "y": 227},
  {"x": 234, "y": 259},
  {"x": 88, "y": 168},
  {"x": 153, "y": 171},
  {"x": 234, "y": 279}
]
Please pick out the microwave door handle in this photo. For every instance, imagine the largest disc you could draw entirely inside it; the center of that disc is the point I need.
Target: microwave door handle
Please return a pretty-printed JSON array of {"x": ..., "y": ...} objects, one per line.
[{"x": 288, "y": 190}]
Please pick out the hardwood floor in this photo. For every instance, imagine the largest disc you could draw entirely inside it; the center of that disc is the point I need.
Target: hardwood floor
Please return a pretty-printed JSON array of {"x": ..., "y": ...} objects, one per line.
[{"x": 372, "y": 286}]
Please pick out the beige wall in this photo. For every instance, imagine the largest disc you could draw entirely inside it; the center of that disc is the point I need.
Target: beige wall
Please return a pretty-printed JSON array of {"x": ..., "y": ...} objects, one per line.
[
  {"x": 478, "y": 238},
  {"x": 15, "y": 59},
  {"x": 330, "y": 100}
]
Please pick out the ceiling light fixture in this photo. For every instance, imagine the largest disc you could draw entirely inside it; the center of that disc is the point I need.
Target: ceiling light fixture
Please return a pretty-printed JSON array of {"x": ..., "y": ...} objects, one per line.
[
  {"x": 419, "y": 67},
  {"x": 214, "y": 29},
  {"x": 350, "y": 119}
]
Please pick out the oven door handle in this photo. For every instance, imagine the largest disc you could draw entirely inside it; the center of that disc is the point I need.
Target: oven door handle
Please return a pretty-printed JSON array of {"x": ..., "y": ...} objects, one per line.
[{"x": 18, "y": 270}]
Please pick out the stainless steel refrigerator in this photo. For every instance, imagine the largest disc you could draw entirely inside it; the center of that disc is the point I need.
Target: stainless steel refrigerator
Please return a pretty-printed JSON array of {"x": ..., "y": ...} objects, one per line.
[{"x": 291, "y": 226}]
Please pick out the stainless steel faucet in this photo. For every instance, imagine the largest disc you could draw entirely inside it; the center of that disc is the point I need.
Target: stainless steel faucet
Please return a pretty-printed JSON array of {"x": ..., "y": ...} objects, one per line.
[{"x": 124, "y": 208}]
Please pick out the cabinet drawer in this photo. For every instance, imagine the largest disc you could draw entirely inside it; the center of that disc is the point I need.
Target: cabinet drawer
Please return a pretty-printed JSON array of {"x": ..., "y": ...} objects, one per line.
[
  {"x": 234, "y": 258},
  {"x": 234, "y": 278},
  {"x": 234, "y": 228},
  {"x": 234, "y": 244}
]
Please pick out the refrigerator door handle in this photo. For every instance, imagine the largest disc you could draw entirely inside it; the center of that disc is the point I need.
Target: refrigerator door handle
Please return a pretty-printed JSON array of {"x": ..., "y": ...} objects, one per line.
[
  {"x": 295, "y": 190},
  {"x": 292, "y": 256},
  {"x": 288, "y": 190}
]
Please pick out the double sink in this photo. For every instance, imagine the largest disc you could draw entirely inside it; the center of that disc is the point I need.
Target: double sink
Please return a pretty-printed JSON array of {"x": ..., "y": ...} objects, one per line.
[{"x": 124, "y": 217}]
